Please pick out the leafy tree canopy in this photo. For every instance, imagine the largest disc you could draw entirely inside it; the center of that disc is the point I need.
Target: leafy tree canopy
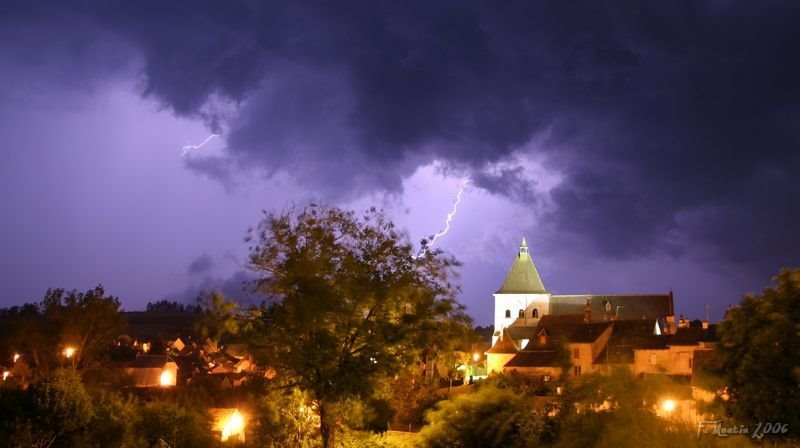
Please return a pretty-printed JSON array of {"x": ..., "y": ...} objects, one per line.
[
  {"x": 349, "y": 303},
  {"x": 760, "y": 346}
]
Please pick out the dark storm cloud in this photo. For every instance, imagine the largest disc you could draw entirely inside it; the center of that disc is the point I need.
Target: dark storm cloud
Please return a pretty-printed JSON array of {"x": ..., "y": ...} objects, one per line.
[
  {"x": 201, "y": 265},
  {"x": 233, "y": 287},
  {"x": 670, "y": 122}
]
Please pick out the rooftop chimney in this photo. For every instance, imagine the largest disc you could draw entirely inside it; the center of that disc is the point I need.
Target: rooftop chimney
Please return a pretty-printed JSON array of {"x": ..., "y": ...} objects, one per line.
[{"x": 587, "y": 312}]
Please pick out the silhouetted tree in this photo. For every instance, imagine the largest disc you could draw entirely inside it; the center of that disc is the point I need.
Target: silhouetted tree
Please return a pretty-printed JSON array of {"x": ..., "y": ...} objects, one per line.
[{"x": 349, "y": 303}]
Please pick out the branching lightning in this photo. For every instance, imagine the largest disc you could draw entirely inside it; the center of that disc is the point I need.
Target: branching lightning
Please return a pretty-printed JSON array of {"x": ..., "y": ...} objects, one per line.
[
  {"x": 188, "y": 147},
  {"x": 450, "y": 216}
]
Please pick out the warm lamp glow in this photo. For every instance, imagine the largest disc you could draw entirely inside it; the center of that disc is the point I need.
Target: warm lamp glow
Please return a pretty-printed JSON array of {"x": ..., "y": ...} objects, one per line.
[
  {"x": 476, "y": 356},
  {"x": 69, "y": 351},
  {"x": 234, "y": 427},
  {"x": 668, "y": 405},
  {"x": 6, "y": 374},
  {"x": 16, "y": 357},
  {"x": 167, "y": 379}
]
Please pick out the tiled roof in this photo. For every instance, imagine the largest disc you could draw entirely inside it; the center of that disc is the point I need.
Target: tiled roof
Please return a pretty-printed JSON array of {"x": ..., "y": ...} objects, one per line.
[
  {"x": 504, "y": 345},
  {"x": 149, "y": 361},
  {"x": 572, "y": 328},
  {"x": 523, "y": 276},
  {"x": 539, "y": 358},
  {"x": 519, "y": 332},
  {"x": 605, "y": 306},
  {"x": 694, "y": 335}
]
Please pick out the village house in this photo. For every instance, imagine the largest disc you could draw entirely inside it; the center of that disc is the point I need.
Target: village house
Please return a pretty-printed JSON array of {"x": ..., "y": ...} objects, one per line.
[{"x": 153, "y": 371}]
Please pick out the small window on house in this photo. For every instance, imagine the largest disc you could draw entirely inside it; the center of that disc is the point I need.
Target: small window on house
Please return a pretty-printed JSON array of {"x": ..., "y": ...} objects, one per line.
[
  {"x": 508, "y": 313},
  {"x": 521, "y": 313},
  {"x": 577, "y": 370},
  {"x": 535, "y": 313},
  {"x": 543, "y": 339},
  {"x": 653, "y": 359},
  {"x": 576, "y": 353}
]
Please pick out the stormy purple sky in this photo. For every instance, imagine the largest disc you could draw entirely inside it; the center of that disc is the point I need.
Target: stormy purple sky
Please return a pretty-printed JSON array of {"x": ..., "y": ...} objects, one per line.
[{"x": 639, "y": 147}]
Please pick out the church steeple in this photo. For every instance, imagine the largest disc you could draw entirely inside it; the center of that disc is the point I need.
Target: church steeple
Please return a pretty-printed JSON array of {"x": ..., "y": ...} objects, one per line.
[{"x": 523, "y": 278}]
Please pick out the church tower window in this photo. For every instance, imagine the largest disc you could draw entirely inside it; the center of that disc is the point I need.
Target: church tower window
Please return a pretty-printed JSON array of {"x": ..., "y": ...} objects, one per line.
[
  {"x": 508, "y": 314},
  {"x": 535, "y": 313},
  {"x": 521, "y": 314}
]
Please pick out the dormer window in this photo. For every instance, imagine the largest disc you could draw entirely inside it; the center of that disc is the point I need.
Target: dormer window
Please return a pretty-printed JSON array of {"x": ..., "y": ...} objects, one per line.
[{"x": 542, "y": 337}]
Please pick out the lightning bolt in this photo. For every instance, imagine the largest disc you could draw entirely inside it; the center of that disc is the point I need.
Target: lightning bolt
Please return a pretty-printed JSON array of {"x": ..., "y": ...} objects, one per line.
[
  {"x": 450, "y": 216},
  {"x": 188, "y": 147}
]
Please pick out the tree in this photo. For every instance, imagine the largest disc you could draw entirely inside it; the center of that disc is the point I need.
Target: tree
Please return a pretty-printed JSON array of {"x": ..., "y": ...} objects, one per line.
[
  {"x": 348, "y": 302},
  {"x": 220, "y": 317},
  {"x": 177, "y": 425},
  {"x": 51, "y": 408},
  {"x": 113, "y": 422},
  {"x": 88, "y": 322},
  {"x": 488, "y": 417},
  {"x": 760, "y": 347}
]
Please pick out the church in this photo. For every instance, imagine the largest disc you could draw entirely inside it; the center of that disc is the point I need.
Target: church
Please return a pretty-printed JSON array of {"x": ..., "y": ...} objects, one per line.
[{"x": 542, "y": 334}]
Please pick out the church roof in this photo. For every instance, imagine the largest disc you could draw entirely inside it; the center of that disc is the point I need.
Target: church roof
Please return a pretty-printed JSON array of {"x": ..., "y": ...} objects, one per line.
[
  {"x": 522, "y": 277},
  {"x": 624, "y": 306}
]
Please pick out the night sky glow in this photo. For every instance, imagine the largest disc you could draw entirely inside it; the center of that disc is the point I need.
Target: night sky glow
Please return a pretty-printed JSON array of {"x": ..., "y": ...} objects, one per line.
[{"x": 638, "y": 146}]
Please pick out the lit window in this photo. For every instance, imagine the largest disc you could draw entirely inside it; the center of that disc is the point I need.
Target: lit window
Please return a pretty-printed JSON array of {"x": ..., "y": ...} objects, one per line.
[
  {"x": 546, "y": 378},
  {"x": 508, "y": 313}
]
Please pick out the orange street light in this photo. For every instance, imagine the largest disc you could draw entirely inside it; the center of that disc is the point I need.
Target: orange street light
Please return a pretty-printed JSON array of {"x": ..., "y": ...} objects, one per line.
[
  {"x": 476, "y": 356},
  {"x": 668, "y": 406},
  {"x": 16, "y": 357},
  {"x": 69, "y": 351}
]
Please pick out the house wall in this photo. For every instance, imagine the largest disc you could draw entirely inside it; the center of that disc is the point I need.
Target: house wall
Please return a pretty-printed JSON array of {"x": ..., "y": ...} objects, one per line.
[
  {"x": 553, "y": 372},
  {"x": 584, "y": 361},
  {"x": 496, "y": 361},
  {"x": 674, "y": 360},
  {"x": 151, "y": 377}
]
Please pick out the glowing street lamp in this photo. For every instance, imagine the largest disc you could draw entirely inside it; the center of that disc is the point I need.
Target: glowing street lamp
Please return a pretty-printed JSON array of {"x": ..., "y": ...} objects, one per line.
[
  {"x": 69, "y": 351},
  {"x": 16, "y": 357},
  {"x": 476, "y": 356},
  {"x": 668, "y": 406},
  {"x": 6, "y": 374}
]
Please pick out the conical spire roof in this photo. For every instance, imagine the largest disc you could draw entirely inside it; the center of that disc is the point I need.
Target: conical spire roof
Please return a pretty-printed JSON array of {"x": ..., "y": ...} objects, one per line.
[{"x": 522, "y": 278}]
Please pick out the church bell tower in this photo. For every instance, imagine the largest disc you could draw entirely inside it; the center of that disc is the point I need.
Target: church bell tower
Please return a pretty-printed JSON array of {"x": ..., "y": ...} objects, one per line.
[{"x": 522, "y": 299}]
